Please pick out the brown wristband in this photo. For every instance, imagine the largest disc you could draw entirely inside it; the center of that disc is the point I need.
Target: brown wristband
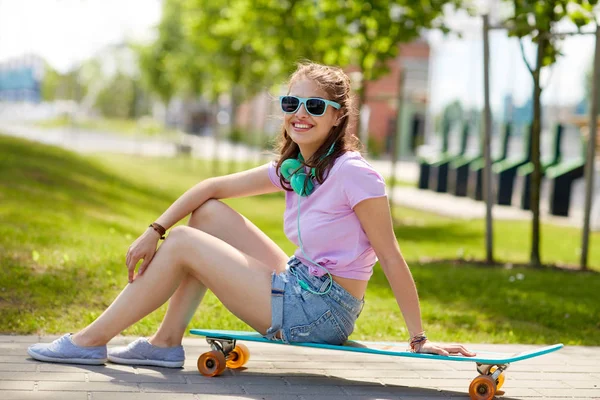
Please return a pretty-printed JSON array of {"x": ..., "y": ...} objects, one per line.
[{"x": 158, "y": 228}]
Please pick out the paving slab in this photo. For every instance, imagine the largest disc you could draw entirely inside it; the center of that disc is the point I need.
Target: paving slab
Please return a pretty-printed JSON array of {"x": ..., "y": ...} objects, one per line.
[{"x": 288, "y": 372}]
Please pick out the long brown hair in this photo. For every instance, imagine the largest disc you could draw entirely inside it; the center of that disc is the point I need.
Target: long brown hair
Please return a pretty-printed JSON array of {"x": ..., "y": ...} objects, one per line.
[{"x": 336, "y": 84}]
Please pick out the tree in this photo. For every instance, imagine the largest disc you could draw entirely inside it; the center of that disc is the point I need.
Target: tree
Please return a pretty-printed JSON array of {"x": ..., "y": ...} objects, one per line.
[
  {"x": 587, "y": 85},
  {"x": 537, "y": 20},
  {"x": 454, "y": 111},
  {"x": 375, "y": 29},
  {"x": 158, "y": 70},
  {"x": 50, "y": 83},
  {"x": 231, "y": 43},
  {"x": 121, "y": 97},
  {"x": 57, "y": 86},
  {"x": 362, "y": 33},
  {"x": 226, "y": 44},
  {"x": 242, "y": 47}
]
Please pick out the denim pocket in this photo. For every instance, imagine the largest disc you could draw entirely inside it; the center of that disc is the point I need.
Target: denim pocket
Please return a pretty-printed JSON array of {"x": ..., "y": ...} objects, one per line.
[
  {"x": 324, "y": 330},
  {"x": 344, "y": 321}
]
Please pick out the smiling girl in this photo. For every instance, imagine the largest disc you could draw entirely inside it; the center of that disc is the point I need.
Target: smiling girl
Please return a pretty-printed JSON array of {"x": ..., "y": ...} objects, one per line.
[{"x": 337, "y": 213}]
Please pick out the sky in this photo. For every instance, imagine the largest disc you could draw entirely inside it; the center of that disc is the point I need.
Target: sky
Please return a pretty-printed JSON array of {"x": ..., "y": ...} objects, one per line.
[
  {"x": 66, "y": 32},
  {"x": 456, "y": 67}
]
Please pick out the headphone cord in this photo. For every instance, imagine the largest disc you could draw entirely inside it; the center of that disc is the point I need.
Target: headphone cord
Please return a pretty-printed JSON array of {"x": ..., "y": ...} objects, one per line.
[{"x": 303, "y": 284}]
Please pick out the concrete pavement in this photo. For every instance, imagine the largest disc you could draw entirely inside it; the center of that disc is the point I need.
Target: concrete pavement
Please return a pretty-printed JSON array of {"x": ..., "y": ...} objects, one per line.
[{"x": 287, "y": 372}]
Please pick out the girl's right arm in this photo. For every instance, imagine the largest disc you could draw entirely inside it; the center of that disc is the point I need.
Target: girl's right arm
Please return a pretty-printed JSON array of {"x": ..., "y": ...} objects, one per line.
[
  {"x": 247, "y": 183},
  {"x": 252, "y": 182}
]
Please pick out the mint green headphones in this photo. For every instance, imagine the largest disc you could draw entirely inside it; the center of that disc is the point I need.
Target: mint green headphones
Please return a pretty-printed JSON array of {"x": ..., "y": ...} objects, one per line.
[{"x": 299, "y": 180}]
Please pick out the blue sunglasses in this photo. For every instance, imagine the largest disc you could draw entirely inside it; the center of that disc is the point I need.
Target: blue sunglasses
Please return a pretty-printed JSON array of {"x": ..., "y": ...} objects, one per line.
[{"x": 313, "y": 105}]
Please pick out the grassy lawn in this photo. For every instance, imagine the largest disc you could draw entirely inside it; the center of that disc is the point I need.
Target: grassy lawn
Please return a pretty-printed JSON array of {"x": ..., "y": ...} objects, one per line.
[
  {"x": 66, "y": 221},
  {"x": 143, "y": 127}
]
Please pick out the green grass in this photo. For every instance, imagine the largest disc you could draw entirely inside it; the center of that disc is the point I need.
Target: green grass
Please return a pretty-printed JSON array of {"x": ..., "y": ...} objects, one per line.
[
  {"x": 67, "y": 220},
  {"x": 398, "y": 182},
  {"x": 142, "y": 127}
]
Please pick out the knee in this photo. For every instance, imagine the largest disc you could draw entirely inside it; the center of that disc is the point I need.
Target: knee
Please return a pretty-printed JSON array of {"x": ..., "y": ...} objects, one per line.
[
  {"x": 178, "y": 236},
  {"x": 206, "y": 213},
  {"x": 176, "y": 246}
]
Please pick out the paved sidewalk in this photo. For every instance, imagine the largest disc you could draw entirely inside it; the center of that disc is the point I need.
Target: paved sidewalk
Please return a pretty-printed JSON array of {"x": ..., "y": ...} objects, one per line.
[{"x": 287, "y": 372}]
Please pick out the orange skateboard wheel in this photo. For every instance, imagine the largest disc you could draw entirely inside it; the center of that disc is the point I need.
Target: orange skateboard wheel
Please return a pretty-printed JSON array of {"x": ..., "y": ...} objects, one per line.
[
  {"x": 482, "y": 388},
  {"x": 238, "y": 357},
  {"x": 212, "y": 363}
]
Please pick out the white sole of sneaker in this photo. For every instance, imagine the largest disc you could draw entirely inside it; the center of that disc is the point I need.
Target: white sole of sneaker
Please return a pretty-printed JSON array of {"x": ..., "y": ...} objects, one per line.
[
  {"x": 86, "y": 361},
  {"x": 153, "y": 363}
]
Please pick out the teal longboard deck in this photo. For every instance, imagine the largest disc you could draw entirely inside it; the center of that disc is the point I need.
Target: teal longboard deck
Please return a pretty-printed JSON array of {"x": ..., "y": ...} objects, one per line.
[
  {"x": 491, "y": 366},
  {"x": 385, "y": 348}
]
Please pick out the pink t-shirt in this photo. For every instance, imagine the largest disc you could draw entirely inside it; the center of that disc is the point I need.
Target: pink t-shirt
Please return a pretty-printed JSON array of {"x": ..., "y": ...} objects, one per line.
[{"x": 331, "y": 232}]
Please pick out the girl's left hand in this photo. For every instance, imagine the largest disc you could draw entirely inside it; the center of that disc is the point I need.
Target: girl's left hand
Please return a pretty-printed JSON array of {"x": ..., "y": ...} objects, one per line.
[{"x": 445, "y": 349}]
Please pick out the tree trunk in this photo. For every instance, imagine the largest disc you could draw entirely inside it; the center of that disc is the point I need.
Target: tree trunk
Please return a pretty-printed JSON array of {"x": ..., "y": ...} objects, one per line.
[
  {"x": 592, "y": 142},
  {"x": 216, "y": 139},
  {"x": 362, "y": 98},
  {"x": 394, "y": 142},
  {"x": 233, "y": 127},
  {"x": 262, "y": 132},
  {"x": 487, "y": 171},
  {"x": 536, "y": 176},
  {"x": 166, "y": 116}
]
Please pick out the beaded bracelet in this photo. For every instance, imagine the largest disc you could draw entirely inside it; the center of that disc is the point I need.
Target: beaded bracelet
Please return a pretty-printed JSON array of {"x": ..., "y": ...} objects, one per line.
[{"x": 416, "y": 342}]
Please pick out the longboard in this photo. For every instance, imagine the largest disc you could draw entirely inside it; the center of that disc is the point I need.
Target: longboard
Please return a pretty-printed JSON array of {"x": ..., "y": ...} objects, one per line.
[{"x": 227, "y": 353}]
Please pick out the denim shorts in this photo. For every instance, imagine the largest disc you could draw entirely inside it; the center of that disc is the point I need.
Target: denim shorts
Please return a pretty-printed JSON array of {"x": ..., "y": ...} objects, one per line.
[{"x": 302, "y": 316}]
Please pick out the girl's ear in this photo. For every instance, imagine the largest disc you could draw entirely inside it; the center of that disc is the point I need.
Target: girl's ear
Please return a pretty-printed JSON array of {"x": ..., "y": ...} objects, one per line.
[{"x": 338, "y": 118}]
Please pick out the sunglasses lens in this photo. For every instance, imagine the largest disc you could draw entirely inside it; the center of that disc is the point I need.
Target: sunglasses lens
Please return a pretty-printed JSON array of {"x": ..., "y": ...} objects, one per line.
[
  {"x": 289, "y": 104},
  {"x": 315, "y": 106}
]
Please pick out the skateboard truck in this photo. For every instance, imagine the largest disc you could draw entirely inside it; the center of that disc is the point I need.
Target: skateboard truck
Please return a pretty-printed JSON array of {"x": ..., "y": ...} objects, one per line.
[
  {"x": 483, "y": 369},
  {"x": 225, "y": 346}
]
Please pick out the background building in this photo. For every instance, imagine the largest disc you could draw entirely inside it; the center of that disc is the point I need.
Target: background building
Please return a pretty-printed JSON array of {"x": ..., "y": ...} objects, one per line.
[{"x": 20, "y": 79}]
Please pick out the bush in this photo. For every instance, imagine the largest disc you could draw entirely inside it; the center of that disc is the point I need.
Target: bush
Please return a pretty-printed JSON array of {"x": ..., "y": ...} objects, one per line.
[{"x": 375, "y": 147}]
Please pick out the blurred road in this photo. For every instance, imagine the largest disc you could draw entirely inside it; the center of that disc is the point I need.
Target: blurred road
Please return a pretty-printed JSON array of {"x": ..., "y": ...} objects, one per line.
[{"x": 203, "y": 147}]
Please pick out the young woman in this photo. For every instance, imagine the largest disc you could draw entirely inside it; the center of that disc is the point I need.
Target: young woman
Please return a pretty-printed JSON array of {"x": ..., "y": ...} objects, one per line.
[{"x": 336, "y": 212}]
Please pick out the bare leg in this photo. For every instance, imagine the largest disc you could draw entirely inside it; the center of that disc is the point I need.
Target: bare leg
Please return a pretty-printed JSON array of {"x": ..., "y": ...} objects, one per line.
[
  {"x": 223, "y": 222},
  {"x": 182, "y": 306},
  {"x": 209, "y": 261}
]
